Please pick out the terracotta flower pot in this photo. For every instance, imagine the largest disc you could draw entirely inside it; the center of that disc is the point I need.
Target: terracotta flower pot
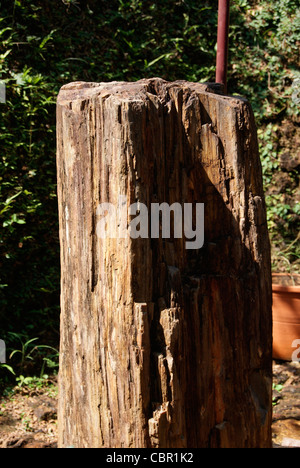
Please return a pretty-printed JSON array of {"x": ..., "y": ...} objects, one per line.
[{"x": 286, "y": 317}]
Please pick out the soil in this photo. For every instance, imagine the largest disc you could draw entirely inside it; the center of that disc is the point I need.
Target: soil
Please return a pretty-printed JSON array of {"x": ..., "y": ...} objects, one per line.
[
  {"x": 28, "y": 417},
  {"x": 285, "y": 279},
  {"x": 286, "y": 401}
]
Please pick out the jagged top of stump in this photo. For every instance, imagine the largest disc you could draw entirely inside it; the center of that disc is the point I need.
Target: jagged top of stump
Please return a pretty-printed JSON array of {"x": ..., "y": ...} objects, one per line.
[{"x": 137, "y": 90}]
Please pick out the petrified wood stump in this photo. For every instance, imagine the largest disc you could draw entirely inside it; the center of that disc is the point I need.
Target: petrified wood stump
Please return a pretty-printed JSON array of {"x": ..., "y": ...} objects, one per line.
[{"x": 162, "y": 346}]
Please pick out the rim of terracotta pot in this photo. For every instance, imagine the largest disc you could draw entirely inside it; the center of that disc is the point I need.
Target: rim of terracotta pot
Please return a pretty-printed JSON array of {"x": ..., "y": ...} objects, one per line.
[{"x": 286, "y": 288}]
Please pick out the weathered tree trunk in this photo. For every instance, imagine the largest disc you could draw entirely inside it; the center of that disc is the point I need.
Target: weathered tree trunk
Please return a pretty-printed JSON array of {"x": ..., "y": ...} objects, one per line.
[{"x": 162, "y": 346}]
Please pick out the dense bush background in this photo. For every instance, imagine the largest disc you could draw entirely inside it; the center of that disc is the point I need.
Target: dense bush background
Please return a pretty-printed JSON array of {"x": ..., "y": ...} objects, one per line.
[{"x": 47, "y": 43}]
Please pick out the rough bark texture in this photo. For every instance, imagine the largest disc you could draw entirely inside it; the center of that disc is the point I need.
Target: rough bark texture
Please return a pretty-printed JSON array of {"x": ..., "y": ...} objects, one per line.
[{"x": 162, "y": 346}]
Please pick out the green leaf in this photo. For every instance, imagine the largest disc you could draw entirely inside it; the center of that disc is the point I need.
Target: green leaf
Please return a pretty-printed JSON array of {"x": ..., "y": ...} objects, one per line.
[
  {"x": 47, "y": 39},
  {"x": 9, "y": 368},
  {"x": 161, "y": 57}
]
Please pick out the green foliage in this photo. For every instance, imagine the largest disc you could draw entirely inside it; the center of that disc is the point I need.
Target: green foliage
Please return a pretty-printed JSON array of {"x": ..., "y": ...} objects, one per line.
[
  {"x": 9, "y": 368},
  {"x": 265, "y": 69},
  {"x": 45, "y": 44},
  {"x": 278, "y": 388},
  {"x": 27, "y": 385},
  {"x": 28, "y": 362},
  {"x": 31, "y": 382},
  {"x": 29, "y": 350},
  {"x": 266, "y": 62}
]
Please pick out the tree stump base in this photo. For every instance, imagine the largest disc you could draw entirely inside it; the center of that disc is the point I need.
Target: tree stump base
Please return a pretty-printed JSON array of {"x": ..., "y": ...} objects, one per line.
[{"x": 162, "y": 346}]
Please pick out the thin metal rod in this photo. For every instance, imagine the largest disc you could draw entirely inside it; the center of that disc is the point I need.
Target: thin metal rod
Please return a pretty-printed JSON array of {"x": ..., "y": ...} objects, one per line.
[{"x": 222, "y": 44}]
